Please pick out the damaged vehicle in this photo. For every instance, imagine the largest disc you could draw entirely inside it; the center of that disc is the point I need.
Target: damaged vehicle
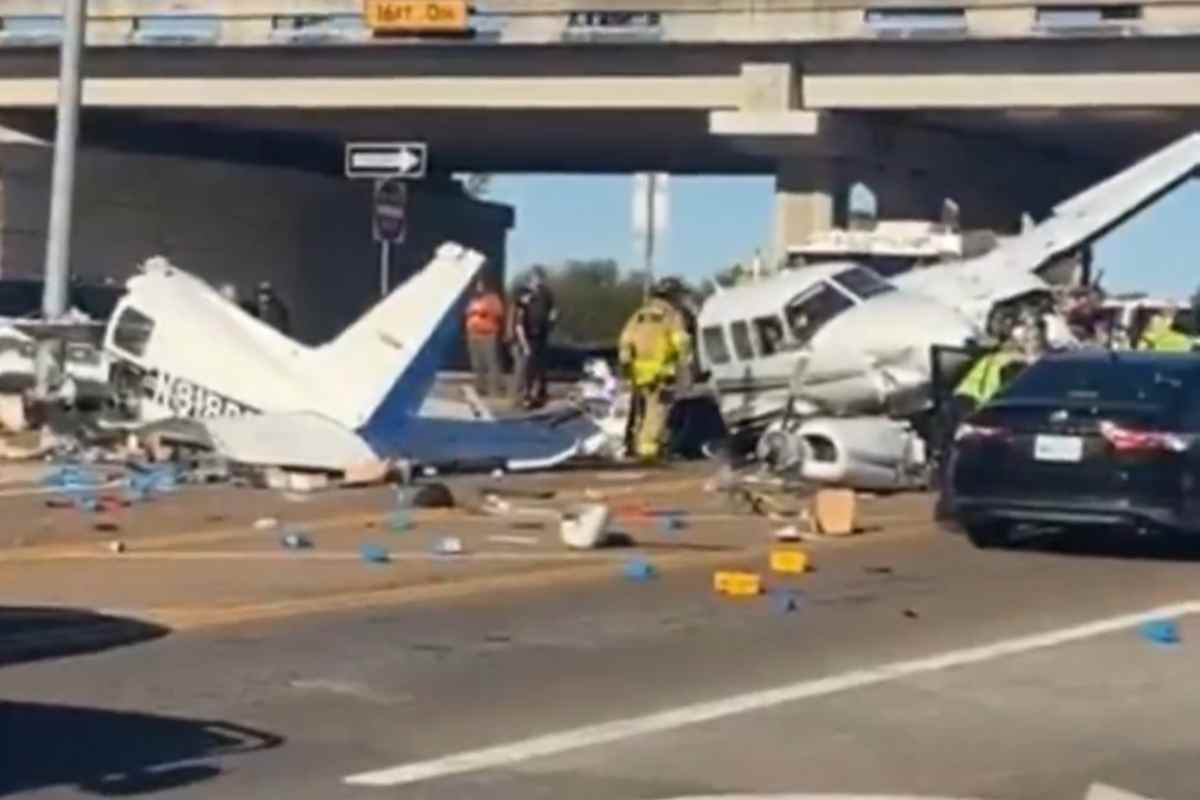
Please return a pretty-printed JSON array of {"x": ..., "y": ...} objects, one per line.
[
  {"x": 191, "y": 365},
  {"x": 832, "y": 362}
]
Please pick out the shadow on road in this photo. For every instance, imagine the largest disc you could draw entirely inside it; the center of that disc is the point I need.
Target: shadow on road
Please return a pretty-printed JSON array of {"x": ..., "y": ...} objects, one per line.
[
  {"x": 1101, "y": 544},
  {"x": 113, "y": 753},
  {"x": 32, "y": 633}
]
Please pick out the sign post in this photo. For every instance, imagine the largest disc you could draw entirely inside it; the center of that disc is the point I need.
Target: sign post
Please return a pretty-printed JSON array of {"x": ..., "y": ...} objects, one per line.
[
  {"x": 389, "y": 165},
  {"x": 649, "y": 218}
]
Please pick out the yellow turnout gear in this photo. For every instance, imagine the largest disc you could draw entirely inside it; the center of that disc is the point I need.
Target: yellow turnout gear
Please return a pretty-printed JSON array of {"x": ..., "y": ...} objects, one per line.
[
  {"x": 653, "y": 346},
  {"x": 983, "y": 379}
]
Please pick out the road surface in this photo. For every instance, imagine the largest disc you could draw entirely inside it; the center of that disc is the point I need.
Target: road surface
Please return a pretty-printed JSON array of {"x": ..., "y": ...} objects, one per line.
[{"x": 911, "y": 665}]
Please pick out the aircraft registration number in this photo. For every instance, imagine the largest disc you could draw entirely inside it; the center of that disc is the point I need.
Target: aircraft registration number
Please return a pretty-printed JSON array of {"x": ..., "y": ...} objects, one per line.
[{"x": 183, "y": 398}]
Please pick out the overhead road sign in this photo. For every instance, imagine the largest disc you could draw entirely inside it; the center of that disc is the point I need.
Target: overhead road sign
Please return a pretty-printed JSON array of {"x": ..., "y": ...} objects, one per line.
[
  {"x": 417, "y": 16},
  {"x": 386, "y": 160}
]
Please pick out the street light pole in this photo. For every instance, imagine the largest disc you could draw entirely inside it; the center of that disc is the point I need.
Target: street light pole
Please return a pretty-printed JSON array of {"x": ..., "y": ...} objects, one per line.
[{"x": 62, "y": 189}]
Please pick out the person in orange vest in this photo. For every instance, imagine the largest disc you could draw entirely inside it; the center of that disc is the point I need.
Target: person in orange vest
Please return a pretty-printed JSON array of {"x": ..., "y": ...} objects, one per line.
[{"x": 485, "y": 323}]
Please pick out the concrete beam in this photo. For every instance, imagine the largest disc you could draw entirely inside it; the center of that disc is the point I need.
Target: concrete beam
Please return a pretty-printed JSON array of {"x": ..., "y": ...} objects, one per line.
[
  {"x": 764, "y": 124},
  {"x": 659, "y": 93},
  {"x": 991, "y": 90}
]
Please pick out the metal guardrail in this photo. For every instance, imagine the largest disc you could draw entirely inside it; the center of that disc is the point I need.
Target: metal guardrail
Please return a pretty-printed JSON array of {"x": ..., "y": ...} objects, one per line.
[{"x": 313, "y": 22}]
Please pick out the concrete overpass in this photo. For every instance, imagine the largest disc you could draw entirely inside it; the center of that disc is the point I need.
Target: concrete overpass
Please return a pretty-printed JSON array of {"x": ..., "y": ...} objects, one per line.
[{"x": 1005, "y": 105}]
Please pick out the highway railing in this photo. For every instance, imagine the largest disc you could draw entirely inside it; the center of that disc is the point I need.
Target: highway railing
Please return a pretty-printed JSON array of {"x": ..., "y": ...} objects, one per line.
[{"x": 158, "y": 23}]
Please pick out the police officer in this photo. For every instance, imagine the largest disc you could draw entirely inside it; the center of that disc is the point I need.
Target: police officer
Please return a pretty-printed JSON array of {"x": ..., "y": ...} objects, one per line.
[{"x": 654, "y": 354}]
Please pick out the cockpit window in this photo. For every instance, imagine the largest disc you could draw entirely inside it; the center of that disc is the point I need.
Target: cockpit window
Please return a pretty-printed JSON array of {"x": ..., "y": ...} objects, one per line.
[
  {"x": 133, "y": 332},
  {"x": 812, "y": 308},
  {"x": 741, "y": 341},
  {"x": 863, "y": 282},
  {"x": 770, "y": 335}
]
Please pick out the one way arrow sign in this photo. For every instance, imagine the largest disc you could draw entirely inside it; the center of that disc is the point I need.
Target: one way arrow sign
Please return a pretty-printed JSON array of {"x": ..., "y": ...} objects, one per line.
[{"x": 386, "y": 160}]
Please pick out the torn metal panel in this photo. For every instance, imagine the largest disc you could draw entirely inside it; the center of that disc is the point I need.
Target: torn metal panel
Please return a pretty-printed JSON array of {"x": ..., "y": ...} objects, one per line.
[{"x": 300, "y": 440}]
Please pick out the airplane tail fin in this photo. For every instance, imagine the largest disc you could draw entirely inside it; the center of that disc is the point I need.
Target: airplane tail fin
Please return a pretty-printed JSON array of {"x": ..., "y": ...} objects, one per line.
[{"x": 381, "y": 368}]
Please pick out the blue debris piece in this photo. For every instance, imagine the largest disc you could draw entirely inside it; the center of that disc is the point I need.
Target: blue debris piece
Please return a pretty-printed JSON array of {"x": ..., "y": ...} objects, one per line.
[
  {"x": 87, "y": 502},
  {"x": 374, "y": 554},
  {"x": 786, "y": 600},
  {"x": 1160, "y": 631},
  {"x": 638, "y": 569},
  {"x": 399, "y": 521},
  {"x": 671, "y": 524},
  {"x": 72, "y": 476}
]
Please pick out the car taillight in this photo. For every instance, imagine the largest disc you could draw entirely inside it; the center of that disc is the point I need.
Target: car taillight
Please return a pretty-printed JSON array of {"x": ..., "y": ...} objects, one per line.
[
  {"x": 1130, "y": 440},
  {"x": 968, "y": 430}
]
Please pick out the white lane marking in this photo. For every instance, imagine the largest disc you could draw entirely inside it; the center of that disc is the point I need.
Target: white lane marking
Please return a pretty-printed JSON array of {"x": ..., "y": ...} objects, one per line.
[{"x": 618, "y": 730}]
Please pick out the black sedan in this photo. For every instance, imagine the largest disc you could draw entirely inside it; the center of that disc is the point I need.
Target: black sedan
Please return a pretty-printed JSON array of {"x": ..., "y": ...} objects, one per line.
[{"x": 1085, "y": 439}]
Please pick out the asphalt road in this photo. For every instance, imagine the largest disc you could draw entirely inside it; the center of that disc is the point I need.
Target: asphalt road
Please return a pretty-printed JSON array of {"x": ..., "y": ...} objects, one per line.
[{"x": 912, "y": 665}]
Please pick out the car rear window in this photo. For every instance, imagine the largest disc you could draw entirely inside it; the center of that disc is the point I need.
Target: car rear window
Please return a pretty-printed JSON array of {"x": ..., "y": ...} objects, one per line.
[{"x": 1104, "y": 382}]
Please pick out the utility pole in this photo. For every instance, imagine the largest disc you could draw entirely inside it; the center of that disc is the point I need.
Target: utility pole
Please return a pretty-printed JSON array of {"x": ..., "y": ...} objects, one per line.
[
  {"x": 651, "y": 223},
  {"x": 62, "y": 189}
]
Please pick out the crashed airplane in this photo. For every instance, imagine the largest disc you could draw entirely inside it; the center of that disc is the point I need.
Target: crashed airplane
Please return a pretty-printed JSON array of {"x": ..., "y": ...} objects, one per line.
[
  {"x": 181, "y": 351},
  {"x": 833, "y": 360}
]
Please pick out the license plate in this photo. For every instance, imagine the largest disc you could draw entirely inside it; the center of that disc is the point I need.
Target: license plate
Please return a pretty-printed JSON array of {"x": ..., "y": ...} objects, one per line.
[
  {"x": 1058, "y": 448},
  {"x": 417, "y": 15}
]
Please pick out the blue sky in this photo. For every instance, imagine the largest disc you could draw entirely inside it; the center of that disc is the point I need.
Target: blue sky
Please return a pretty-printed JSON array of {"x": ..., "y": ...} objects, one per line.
[{"x": 716, "y": 221}]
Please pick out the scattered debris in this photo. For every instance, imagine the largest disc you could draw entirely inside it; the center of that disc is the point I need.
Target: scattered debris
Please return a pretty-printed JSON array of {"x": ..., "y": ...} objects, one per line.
[
  {"x": 366, "y": 473},
  {"x": 296, "y": 497},
  {"x": 737, "y": 584},
  {"x": 265, "y": 523},
  {"x": 671, "y": 523},
  {"x": 833, "y": 510},
  {"x": 505, "y": 539},
  {"x": 878, "y": 570},
  {"x": 296, "y": 541},
  {"x": 374, "y": 554},
  {"x": 789, "y": 560},
  {"x": 448, "y": 546},
  {"x": 637, "y": 569},
  {"x": 621, "y": 476},
  {"x": 107, "y": 527},
  {"x": 399, "y": 521},
  {"x": 1160, "y": 631},
  {"x": 908, "y": 612},
  {"x": 584, "y": 527},
  {"x": 492, "y": 490},
  {"x": 429, "y": 472},
  {"x": 786, "y": 600},
  {"x": 116, "y": 546},
  {"x": 788, "y": 533},
  {"x": 497, "y": 473},
  {"x": 432, "y": 495}
]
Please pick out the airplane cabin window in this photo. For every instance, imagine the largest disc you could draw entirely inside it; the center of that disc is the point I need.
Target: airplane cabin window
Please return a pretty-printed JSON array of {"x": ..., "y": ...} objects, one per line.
[
  {"x": 741, "y": 341},
  {"x": 770, "y": 335},
  {"x": 715, "y": 346},
  {"x": 863, "y": 282},
  {"x": 812, "y": 308},
  {"x": 133, "y": 332}
]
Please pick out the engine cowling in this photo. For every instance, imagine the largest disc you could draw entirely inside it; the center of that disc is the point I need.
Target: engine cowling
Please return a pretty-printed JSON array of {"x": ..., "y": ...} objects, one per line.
[{"x": 873, "y": 453}]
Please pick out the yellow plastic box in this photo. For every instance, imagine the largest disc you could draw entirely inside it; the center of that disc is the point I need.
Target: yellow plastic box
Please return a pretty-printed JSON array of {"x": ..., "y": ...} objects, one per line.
[
  {"x": 789, "y": 560},
  {"x": 737, "y": 584}
]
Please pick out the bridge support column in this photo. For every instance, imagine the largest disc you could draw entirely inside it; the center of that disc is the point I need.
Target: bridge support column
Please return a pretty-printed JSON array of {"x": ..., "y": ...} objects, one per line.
[{"x": 810, "y": 196}]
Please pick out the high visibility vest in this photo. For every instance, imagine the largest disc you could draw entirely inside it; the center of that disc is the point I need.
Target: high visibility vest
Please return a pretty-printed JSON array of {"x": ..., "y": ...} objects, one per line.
[
  {"x": 652, "y": 342},
  {"x": 1163, "y": 338},
  {"x": 983, "y": 380}
]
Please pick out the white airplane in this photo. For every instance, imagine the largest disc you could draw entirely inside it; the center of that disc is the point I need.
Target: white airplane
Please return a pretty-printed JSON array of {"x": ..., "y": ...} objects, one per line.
[
  {"x": 829, "y": 360},
  {"x": 834, "y": 360},
  {"x": 181, "y": 350}
]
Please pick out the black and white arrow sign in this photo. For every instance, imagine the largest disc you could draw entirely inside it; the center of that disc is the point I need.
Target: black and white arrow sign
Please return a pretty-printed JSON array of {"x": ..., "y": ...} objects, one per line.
[{"x": 386, "y": 160}]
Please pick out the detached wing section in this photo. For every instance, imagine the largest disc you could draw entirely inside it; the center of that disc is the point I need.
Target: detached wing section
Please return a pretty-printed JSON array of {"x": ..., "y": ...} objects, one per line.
[{"x": 1094, "y": 212}]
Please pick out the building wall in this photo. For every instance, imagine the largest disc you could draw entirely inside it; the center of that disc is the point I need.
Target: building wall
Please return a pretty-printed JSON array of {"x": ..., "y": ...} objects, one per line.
[{"x": 308, "y": 234}]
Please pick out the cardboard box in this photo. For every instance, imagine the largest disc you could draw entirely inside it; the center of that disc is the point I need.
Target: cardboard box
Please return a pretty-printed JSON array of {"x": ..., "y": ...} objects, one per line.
[{"x": 833, "y": 511}]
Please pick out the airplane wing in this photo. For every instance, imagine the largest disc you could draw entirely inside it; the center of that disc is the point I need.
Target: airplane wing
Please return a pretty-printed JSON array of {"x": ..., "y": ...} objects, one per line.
[{"x": 1097, "y": 210}]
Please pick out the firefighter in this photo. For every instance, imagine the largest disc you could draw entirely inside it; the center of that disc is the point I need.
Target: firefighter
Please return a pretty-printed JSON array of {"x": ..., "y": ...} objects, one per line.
[
  {"x": 1161, "y": 335},
  {"x": 654, "y": 355},
  {"x": 993, "y": 370}
]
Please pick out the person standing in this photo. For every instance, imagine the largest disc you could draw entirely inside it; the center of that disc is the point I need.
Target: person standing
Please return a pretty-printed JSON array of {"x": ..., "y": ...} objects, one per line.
[
  {"x": 534, "y": 317},
  {"x": 653, "y": 351},
  {"x": 270, "y": 309},
  {"x": 485, "y": 322}
]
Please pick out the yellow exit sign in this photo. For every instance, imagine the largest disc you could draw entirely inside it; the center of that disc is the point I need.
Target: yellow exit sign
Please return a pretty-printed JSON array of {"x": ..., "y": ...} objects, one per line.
[{"x": 417, "y": 16}]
